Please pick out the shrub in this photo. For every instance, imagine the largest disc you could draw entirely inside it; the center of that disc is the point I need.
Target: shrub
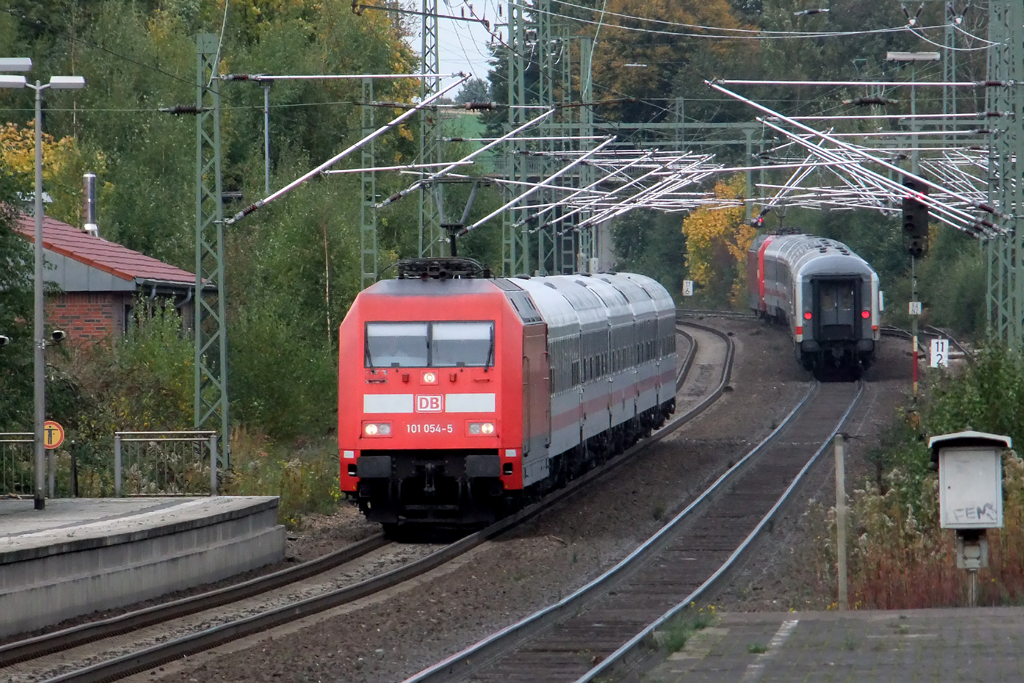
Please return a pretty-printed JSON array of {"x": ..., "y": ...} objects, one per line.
[
  {"x": 306, "y": 480},
  {"x": 900, "y": 557}
]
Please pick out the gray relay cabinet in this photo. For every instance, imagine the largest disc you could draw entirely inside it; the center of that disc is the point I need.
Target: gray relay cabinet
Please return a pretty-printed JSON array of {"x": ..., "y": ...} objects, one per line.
[
  {"x": 970, "y": 493},
  {"x": 970, "y": 479}
]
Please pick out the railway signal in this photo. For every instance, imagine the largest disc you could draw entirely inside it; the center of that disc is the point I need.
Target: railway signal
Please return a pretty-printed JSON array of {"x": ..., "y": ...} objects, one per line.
[{"x": 915, "y": 217}]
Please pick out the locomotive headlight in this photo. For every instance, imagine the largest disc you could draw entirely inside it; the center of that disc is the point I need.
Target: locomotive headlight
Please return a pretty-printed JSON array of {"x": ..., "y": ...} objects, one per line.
[
  {"x": 481, "y": 428},
  {"x": 430, "y": 378},
  {"x": 377, "y": 428}
]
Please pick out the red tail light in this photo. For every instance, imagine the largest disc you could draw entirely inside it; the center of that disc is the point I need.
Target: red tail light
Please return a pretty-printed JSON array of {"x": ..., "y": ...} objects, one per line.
[
  {"x": 865, "y": 314},
  {"x": 807, "y": 315}
]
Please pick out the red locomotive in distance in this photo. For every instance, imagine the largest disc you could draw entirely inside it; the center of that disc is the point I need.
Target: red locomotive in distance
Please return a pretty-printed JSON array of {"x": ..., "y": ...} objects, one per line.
[{"x": 459, "y": 393}]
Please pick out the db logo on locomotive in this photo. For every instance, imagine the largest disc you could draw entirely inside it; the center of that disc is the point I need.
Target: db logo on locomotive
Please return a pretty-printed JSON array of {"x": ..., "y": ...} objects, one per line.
[{"x": 429, "y": 404}]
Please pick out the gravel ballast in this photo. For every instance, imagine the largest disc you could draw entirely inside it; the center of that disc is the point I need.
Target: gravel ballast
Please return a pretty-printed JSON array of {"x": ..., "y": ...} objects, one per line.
[{"x": 395, "y": 634}]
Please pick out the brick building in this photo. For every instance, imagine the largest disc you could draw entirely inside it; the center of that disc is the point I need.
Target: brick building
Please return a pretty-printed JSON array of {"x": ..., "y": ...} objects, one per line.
[{"x": 101, "y": 280}]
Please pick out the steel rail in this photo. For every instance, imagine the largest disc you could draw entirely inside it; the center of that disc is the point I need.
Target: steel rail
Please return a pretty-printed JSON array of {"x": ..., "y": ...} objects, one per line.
[
  {"x": 65, "y": 639},
  {"x": 684, "y": 367},
  {"x": 91, "y": 632},
  {"x": 927, "y": 331},
  {"x": 713, "y": 313},
  {"x": 644, "y": 642},
  {"x": 492, "y": 647},
  {"x": 162, "y": 653},
  {"x": 931, "y": 329}
]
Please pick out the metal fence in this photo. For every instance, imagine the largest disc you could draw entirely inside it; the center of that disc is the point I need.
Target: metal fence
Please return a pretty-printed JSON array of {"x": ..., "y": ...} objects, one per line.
[
  {"x": 165, "y": 463},
  {"x": 17, "y": 468}
]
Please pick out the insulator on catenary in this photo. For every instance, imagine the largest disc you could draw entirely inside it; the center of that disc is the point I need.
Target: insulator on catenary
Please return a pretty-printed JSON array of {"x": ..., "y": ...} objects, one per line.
[
  {"x": 479, "y": 106},
  {"x": 183, "y": 109},
  {"x": 866, "y": 101}
]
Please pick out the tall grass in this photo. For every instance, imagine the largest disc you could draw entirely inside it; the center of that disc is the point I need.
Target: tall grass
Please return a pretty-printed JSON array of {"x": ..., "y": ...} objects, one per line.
[
  {"x": 145, "y": 382},
  {"x": 306, "y": 479},
  {"x": 899, "y": 557}
]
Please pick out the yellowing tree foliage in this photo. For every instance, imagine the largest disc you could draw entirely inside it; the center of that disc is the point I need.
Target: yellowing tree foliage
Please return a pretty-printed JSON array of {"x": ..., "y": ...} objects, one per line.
[
  {"x": 64, "y": 163},
  {"x": 717, "y": 239}
]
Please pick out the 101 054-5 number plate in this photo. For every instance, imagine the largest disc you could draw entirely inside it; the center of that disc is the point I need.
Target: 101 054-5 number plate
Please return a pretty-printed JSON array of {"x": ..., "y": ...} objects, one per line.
[{"x": 430, "y": 428}]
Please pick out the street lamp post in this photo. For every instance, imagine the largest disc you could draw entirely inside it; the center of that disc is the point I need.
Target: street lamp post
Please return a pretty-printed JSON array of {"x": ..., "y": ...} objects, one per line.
[{"x": 39, "y": 360}]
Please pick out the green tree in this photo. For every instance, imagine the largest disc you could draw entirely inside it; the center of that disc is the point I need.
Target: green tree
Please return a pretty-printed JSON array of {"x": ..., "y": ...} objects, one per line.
[
  {"x": 650, "y": 242},
  {"x": 15, "y": 311},
  {"x": 672, "y": 65},
  {"x": 475, "y": 90}
]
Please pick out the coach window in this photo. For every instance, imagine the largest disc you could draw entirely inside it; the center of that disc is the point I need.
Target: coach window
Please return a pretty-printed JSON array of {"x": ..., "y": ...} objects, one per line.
[
  {"x": 846, "y": 298},
  {"x": 396, "y": 345},
  {"x": 462, "y": 343}
]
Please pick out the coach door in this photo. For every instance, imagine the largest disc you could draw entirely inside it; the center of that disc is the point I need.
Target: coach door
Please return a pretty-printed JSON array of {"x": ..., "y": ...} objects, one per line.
[
  {"x": 837, "y": 309},
  {"x": 536, "y": 390}
]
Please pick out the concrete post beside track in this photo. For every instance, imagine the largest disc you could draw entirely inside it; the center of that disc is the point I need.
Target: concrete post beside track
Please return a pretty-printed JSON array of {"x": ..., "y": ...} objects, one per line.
[{"x": 843, "y": 600}]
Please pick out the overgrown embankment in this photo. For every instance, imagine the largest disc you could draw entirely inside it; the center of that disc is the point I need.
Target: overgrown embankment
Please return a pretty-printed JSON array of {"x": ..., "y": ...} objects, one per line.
[{"x": 898, "y": 556}]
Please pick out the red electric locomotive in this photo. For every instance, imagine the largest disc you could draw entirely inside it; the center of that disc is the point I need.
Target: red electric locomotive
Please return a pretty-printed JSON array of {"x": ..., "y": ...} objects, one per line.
[{"x": 459, "y": 392}]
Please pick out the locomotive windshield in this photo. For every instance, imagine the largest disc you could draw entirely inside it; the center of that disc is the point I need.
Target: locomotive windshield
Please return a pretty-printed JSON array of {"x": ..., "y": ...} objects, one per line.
[
  {"x": 469, "y": 344},
  {"x": 396, "y": 345},
  {"x": 422, "y": 345}
]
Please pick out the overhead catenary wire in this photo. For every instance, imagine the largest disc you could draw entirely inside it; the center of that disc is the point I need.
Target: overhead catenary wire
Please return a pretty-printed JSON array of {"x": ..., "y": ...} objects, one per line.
[
  {"x": 726, "y": 29},
  {"x": 886, "y": 84},
  {"x": 338, "y": 157},
  {"x": 547, "y": 181},
  {"x": 511, "y": 134},
  {"x": 220, "y": 44},
  {"x": 947, "y": 212},
  {"x": 796, "y": 35},
  {"x": 331, "y": 77}
]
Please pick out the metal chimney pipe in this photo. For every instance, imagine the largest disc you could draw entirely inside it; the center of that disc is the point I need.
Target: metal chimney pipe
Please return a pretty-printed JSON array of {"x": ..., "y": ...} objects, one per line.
[{"x": 89, "y": 204}]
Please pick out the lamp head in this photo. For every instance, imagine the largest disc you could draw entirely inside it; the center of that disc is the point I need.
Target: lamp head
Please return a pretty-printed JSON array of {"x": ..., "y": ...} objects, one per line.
[
  {"x": 15, "y": 64},
  {"x": 67, "y": 82},
  {"x": 12, "y": 81}
]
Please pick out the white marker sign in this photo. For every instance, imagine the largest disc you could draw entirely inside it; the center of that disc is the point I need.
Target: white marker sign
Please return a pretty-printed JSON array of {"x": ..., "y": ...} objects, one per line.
[
  {"x": 915, "y": 308},
  {"x": 687, "y": 287},
  {"x": 940, "y": 353}
]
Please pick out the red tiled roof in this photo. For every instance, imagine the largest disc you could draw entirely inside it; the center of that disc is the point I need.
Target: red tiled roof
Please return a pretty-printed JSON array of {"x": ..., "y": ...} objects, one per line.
[{"x": 97, "y": 252}]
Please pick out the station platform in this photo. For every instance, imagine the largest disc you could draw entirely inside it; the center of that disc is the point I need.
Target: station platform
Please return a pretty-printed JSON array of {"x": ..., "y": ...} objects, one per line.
[
  {"x": 82, "y": 555},
  {"x": 940, "y": 645}
]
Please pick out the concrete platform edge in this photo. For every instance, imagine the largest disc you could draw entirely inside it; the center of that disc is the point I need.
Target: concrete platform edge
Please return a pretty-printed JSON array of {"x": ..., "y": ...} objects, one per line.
[
  {"x": 25, "y": 554},
  {"x": 50, "y": 588}
]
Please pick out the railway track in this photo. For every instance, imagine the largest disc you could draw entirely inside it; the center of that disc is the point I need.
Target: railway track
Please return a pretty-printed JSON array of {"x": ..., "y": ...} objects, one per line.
[
  {"x": 711, "y": 313},
  {"x": 924, "y": 336},
  {"x": 607, "y": 625},
  {"x": 155, "y": 655}
]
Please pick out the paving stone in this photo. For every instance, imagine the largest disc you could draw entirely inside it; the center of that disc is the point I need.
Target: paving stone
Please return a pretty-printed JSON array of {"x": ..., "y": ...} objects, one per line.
[{"x": 940, "y": 646}]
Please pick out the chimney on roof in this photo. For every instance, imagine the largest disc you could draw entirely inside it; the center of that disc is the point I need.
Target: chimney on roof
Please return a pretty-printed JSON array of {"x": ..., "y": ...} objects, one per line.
[{"x": 89, "y": 204}]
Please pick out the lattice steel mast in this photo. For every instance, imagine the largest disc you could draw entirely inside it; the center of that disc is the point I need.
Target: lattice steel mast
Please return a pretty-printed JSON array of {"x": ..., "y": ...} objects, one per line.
[
  {"x": 515, "y": 239},
  {"x": 211, "y": 366},
  {"x": 430, "y": 237},
  {"x": 1005, "y": 97}
]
